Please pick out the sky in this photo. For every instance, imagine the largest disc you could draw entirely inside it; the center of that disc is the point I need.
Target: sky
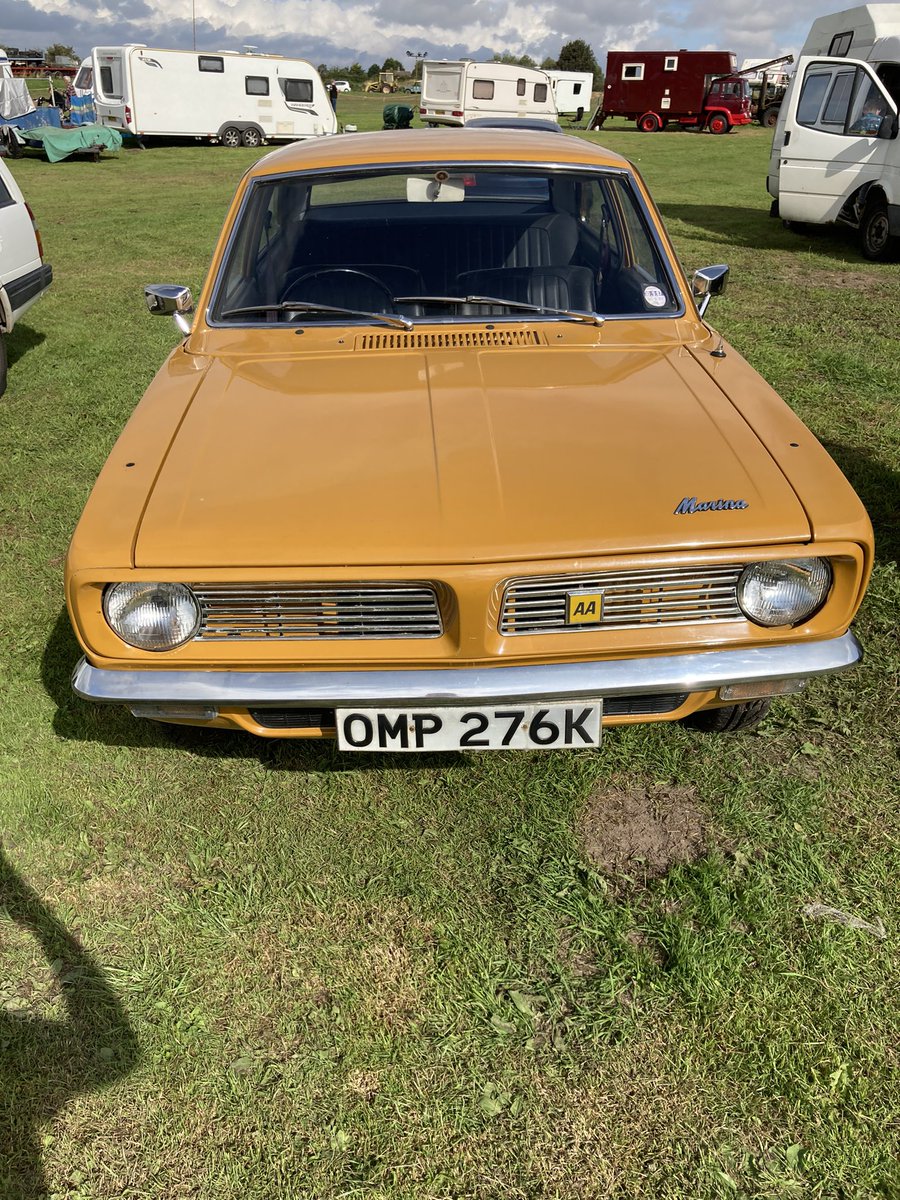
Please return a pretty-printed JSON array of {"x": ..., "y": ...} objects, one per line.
[{"x": 341, "y": 32}]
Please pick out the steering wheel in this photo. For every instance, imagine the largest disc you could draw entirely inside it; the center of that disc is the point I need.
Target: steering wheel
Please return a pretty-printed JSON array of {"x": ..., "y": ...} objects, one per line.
[{"x": 338, "y": 274}]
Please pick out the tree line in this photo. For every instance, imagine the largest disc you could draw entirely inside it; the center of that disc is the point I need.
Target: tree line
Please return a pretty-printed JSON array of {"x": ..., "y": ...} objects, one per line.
[{"x": 576, "y": 55}]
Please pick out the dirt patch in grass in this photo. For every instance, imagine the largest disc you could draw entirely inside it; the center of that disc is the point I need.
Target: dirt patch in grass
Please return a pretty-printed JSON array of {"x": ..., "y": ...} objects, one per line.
[
  {"x": 854, "y": 281},
  {"x": 367, "y": 963},
  {"x": 641, "y": 833},
  {"x": 634, "y": 1126},
  {"x": 580, "y": 961},
  {"x": 363, "y": 1085},
  {"x": 391, "y": 965}
]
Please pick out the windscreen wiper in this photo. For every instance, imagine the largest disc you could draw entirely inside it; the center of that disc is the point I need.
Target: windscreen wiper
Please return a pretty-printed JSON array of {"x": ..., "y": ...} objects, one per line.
[
  {"x": 304, "y": 306},
  {"x": 572, "y": 314}
]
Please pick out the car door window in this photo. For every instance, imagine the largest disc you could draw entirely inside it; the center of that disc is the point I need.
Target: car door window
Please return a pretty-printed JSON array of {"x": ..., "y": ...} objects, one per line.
[
  {"x": 889, "y": 75},
  {"x": 869, "y": 107},
  {"x": 843, "y": 100},
  {"x": 838, "y": 103},
  {"x": 815, "y": 87}
]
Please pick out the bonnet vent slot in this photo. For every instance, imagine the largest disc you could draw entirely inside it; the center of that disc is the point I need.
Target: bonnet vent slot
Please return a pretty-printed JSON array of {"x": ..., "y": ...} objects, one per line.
[{"x": 450, "y": 340}]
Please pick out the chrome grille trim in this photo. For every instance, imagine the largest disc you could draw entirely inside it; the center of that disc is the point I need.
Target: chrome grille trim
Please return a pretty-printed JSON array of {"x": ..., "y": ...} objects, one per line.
[
  {"x": 304, "y": 612},
  {"x": 631, "y": 599}
]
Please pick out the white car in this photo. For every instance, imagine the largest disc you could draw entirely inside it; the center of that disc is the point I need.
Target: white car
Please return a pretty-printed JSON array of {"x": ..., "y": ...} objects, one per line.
[
  {"x": 342, "y": 85},
  {"x": 24, "y": 276}
]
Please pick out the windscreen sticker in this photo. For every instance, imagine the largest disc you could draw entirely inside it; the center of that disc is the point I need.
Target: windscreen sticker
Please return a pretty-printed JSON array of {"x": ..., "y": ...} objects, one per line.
[{"x": 655, "y": 297}]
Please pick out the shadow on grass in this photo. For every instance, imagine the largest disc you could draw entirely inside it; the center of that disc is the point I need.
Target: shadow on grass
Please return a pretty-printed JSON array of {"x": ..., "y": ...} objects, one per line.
[
  {"x": 44, "y": 1062},
  {"x": 630, "y": 127},
  {"x": 113, "y": 725},
  {"x": 20, "y": 341},
  {"x": 878, "y": 486},
  {"x": 754, "y": 228},
  {"x": 36, "y": 153}
]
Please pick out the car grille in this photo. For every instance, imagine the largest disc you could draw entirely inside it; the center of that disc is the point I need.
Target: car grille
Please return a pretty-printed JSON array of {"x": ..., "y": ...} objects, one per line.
[
  {"x": 299, "y": 612},
  {"x": 323, "y": 718},
  {"x": 643, "y": 705},
  {"x": 631, "y": 599},
  {"x": 293, "y": 718}
]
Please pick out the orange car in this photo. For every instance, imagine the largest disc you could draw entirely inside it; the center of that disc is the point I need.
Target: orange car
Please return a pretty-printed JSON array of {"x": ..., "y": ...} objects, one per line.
[{"x": 449, "y": 458}]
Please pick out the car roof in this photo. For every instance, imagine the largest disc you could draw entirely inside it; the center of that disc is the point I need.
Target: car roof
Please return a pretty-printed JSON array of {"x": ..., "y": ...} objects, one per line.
[
  {"x": 520, "y": 124},
  {"x": 487, "y": 145}
]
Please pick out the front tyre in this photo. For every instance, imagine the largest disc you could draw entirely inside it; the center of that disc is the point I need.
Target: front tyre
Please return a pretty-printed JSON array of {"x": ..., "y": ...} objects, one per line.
[
  {"x": 875, "y": 238},
  {"x": 732, "y": 718},
  {"x": 718, "y": 123},
  {"x": 251, "y": 138}
]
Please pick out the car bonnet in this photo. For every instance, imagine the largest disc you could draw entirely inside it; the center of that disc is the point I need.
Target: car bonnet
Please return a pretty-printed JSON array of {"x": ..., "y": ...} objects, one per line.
[{"x": 417, "y": 457}]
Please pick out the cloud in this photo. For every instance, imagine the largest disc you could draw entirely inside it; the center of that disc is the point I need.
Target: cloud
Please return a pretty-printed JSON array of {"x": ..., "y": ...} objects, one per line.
[{"x": 339, "y": 32}]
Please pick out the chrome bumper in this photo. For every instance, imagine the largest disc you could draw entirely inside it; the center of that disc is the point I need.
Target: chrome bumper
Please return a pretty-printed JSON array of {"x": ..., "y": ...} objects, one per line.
[{"x": 703, "y": 671}]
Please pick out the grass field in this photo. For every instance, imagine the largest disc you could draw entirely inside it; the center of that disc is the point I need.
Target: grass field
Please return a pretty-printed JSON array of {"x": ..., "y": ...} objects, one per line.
[{"x": 235, "y": 969}]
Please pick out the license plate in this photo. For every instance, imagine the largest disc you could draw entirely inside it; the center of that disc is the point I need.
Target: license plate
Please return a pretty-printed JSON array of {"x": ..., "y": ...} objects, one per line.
[{"x": 566, "y": 726}]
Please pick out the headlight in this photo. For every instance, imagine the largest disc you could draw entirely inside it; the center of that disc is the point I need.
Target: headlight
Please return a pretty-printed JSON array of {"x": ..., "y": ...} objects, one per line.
[
  {"x": 152, "y": 616},
  {"x": 783, "y": 593}
]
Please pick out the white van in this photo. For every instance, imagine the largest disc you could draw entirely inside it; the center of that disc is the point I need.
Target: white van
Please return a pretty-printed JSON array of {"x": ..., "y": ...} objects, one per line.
[
  {"x": 456, "y": 92},
  {"x": 836, "y": 151},
  {"x": 572, "y": 92},
  {"x": 237, "y": 99},
  {"x": 24, "y": 276}
]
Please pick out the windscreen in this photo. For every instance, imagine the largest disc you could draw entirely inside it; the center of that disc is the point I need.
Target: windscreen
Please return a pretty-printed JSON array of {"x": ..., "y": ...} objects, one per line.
[{"x": 445, "y": 243}]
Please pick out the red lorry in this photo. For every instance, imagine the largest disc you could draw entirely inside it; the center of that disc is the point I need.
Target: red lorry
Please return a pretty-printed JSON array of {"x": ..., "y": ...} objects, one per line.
[{"x": 697, "y": 88}]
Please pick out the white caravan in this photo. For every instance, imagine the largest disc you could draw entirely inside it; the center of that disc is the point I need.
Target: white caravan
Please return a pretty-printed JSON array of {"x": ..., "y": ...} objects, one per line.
[
  {"x": 836, "y": 151},
  {"x": 83, "y": 83},
  {"x": 572, "y": 92},
  {"x": 238, "y": 99},
  {"x": 456, "y": 92}
]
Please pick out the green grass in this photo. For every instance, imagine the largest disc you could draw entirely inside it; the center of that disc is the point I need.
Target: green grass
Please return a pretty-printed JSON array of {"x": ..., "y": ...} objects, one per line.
[
  {"x": 40, "y": 86},
  {"x": 242, "y": 969}
]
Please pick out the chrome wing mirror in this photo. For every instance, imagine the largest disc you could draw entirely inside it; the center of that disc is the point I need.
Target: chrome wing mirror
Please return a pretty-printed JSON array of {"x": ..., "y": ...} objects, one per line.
[
  {"x": 170, "y": 300},
  {"x": 708, "y": 282}
]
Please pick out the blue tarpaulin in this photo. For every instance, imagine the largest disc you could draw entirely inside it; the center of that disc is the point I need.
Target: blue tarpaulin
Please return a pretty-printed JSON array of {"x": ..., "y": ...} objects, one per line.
[{"x": 45, "y": 115}]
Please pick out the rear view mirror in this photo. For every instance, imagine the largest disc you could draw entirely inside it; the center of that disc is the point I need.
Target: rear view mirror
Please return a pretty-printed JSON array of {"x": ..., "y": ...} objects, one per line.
[
  {"x": 170, "y": 300},
  {"x": 166, "y": 299},
  {"x": 440, "y": 189},
  {"x": 708, "y": 282}
]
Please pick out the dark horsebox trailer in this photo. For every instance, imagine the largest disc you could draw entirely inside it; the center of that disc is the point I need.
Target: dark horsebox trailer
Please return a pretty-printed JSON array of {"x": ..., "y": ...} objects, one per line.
[{"x": 697, "y": 88}]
